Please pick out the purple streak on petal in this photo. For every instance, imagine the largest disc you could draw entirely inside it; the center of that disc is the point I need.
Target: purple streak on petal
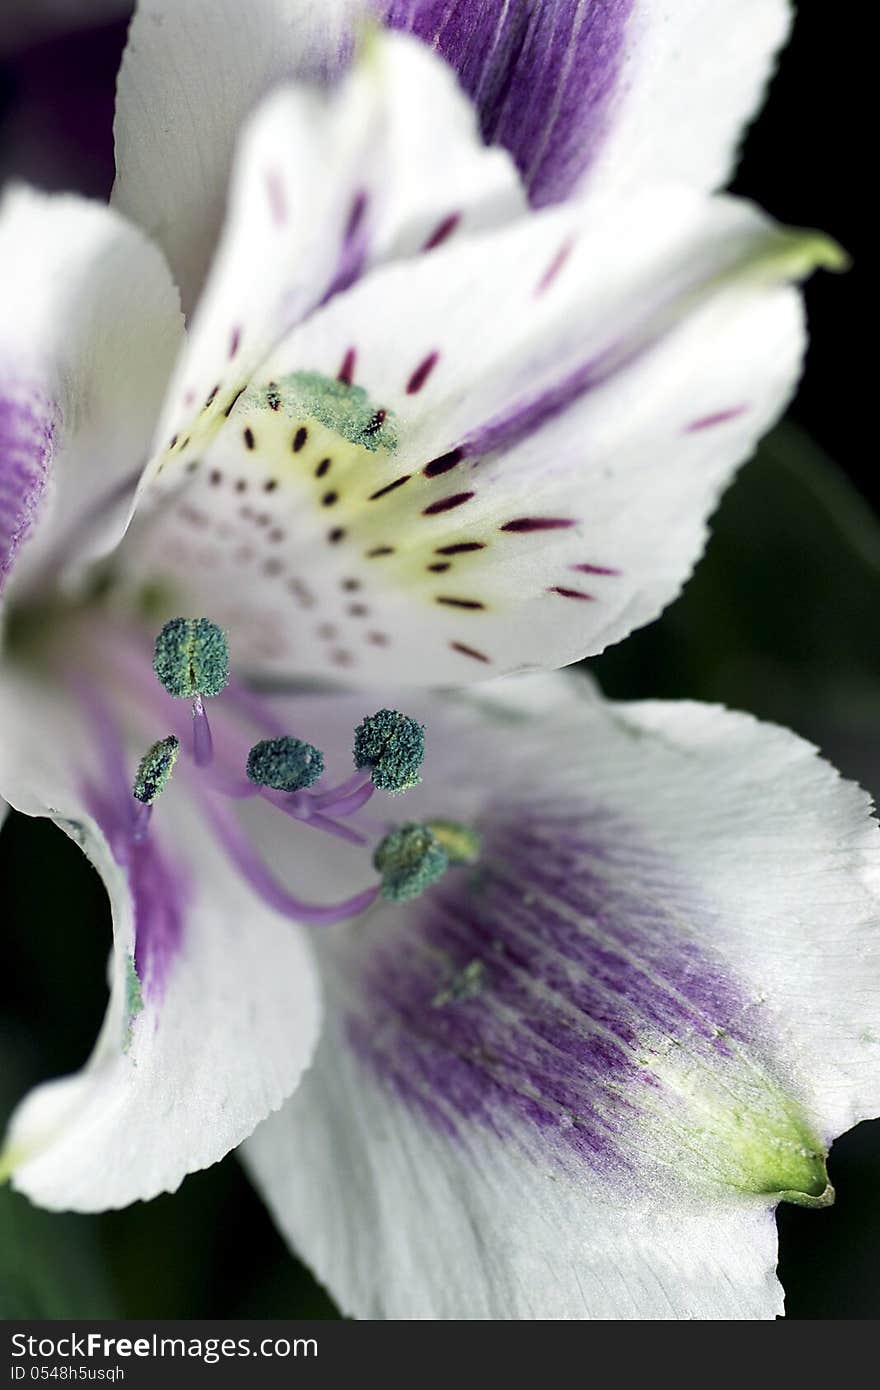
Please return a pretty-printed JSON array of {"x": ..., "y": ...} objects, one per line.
[
  {"x": 706, "y": 422},
  {"x": 158, "y": 885},
  {"x": 543, "y": 76},
  {"x": 524, "y": 996},
  {"x": 353, "y": 250},
  {"x": 28, "y": 424}
]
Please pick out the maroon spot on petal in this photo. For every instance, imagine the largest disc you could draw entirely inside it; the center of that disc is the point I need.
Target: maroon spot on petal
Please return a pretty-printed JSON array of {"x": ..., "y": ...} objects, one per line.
[
  {"x": 329, "y": 499},
  {"x": 554, "y": 267},
  {"x": 327, "y": 632},
  {"x": 172, "y": 441},
  {"x": 322, "y": 468},
  {"x": 192, "y": 465},
  {"x": 537, "y": 523},
  {"x": 447, "y": 504},
  {"x": 248, "y": 437},
  {"x": 459, "y": 602},
  {"x": 336, "y": 535},
  {"x": 378, "y": 639},
  {"x": 569, "y": 593},
  {"x": 442, "y": 231},
  {"x": 459, "y": 548},
  {"x": 593, "y": 569},
  {"x": 421, "y": 373},
  {"x": 439, "y": 568},
  {"x": 299, "y": 439},
  {"x": 276, "y": 535},
  {"x": 277, "y": 197},
  {"x": 443, "y": 464},
  {"x": 241, "y": 485},
  {"x": 189, "y": 397},
  {"x": 705, "y": 422},
  {"x": 273, "y": 567},
  {"x": 380, "y": 550},
  {"x": 350, "y": 585},
  {"x": 212, "y": 396},
  {"x": 340, "y": 657},
  {"x": 346, "y": 371},
  {"x": 302, "y": 593},
  {"x": 468, "y": 651},
  {"x": 234, "y": 341},
  {"x": 389, "y": 487},
  {"x": 270, "y": 484},
  {"x": 357, "y": 610}
]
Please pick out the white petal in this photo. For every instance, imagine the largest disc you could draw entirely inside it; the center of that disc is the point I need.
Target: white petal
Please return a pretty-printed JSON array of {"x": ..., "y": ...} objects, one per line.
[
  {"x": 574, "y": 1081},
  {"x": 617, "y": 95},
  {"x": 541, "y": 421},
  {"x": 693, "y": 73},
  {"x": 191, "y": 74},
  {"x": 90, "y": 328},
  {"x": 203, "y": 1038},
  {"x": 328, "y": 181}
]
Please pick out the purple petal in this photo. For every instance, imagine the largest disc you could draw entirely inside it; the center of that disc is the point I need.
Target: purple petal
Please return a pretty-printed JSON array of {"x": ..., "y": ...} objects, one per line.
[
  {"x": 543, "y": 75},
  {"x": 524, "y": 994},
  {"x": 27, "y": 432}
]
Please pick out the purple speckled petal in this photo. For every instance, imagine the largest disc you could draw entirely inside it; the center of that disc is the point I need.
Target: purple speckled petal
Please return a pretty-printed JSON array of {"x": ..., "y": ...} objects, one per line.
[
  {"x": 27, "y": 434},
  {"x": 543, "y": 75},
  {"x": 536, "y": 993}
]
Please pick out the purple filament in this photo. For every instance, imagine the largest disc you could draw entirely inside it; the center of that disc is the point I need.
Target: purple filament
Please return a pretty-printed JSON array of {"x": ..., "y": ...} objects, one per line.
[{"x": 258, "y": 876}]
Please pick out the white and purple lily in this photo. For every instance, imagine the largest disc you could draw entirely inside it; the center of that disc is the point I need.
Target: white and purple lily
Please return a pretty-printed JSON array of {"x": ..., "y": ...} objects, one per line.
[{"x": 416, "y": 436}]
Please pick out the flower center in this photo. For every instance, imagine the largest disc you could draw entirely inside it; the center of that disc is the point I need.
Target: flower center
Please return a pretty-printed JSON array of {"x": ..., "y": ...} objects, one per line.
[{"x": 191, "y": 662}]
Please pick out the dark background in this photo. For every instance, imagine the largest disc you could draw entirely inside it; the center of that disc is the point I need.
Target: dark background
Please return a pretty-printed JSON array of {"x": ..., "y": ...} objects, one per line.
[{"x": 792, "y": 635}]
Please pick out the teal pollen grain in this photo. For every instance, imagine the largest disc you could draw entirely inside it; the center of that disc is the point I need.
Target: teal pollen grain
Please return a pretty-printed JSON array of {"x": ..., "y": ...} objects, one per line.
[
  {"x": 345, "y": 409},
  {"x": 409, "y": 859},
  {"x": 284, "y": 763},
  {"x": 392, "y": 746},
  {"x": 155, "y": 769},
  {"x": 191, "y": 657}
]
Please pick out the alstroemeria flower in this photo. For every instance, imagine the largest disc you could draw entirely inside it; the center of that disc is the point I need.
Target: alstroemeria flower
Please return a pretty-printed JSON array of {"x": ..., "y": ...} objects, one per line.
[{"x": 358, "y": 453}]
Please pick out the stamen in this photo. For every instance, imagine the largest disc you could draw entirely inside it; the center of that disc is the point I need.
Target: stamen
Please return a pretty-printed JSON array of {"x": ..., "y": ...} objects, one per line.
[
  {"x": 285, "y": 763},
  {"x": 191, "y": 658},
  {"x": 155, "y": 769},
  {"x": 409, "y": 859},
  {"x": 393, "y": 746}
]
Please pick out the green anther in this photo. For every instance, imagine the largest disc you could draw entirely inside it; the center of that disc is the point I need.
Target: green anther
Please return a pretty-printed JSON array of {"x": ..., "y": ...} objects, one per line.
[
  {"x": 155, "y": 769},
  {"x": 462, "y": 844},
  {"x": 191, "y": 657},
  {"x": 409, "y": 859},
  {"x": 285, "y": 764},
  {"x": 393, "y": 746}
]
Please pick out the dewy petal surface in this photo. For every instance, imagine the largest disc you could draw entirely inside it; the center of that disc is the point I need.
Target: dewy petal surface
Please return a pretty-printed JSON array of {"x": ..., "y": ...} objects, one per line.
[
  {"x": 91, "y": 326},
  {"x": 581, "y": 1073},
  {"x": 498, "y": 456},
  {"x": 213, "y": 1010}
]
